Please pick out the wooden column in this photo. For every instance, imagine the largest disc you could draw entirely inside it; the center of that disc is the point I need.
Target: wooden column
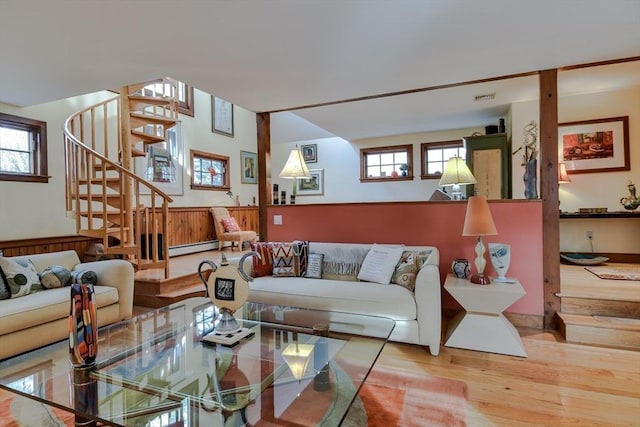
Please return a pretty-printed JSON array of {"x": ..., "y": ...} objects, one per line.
[
  {"x": 264, "y": 171},
  {"x": 549, "y": 194}
]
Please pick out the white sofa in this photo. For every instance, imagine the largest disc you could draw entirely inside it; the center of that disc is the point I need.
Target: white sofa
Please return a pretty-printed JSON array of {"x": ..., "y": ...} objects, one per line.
[
  {"x": 417, "y": 314},
  {"x": 41, "y": 318}
]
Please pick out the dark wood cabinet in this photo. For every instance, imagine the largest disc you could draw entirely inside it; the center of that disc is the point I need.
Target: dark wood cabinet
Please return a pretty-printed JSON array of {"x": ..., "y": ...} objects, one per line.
[{"x": 489, "y": 158}]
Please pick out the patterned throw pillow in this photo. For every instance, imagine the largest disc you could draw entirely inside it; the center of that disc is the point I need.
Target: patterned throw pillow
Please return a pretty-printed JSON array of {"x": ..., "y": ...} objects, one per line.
[
  {"x": 21, "y": 275},
  {"x": 301, "y": 256},
  {"x": 55, "y": 276},
  {"x": 5, "y": 293},
  {"x": 230, "y": 225},
  {"x": 83, "y": 277},
  {"x": 407, "y": 268},
  {"x": 264, "y": 265},
  {"x": 283, "y": 260}
]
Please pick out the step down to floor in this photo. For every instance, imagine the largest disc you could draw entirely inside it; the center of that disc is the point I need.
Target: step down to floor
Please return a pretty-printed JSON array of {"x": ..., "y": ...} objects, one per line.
[{"x": 620, "y": 332}]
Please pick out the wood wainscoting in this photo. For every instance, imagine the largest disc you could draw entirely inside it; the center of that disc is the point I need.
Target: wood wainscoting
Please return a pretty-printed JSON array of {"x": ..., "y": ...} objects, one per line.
[{"x": 45, "y": 245}]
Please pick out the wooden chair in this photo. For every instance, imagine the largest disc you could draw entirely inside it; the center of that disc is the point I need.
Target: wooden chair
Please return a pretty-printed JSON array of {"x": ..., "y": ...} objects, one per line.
[{"x": 219, "y": 214}]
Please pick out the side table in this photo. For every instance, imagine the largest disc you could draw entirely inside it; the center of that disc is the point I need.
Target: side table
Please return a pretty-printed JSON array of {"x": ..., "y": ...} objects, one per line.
[{"x": 482, "y": 326}]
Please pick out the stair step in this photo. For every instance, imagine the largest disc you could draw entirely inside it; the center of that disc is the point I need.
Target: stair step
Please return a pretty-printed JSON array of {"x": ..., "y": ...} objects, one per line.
[
  {"x": 141, "y": 119},
  {"x": 146, "y": 137},
  {"x": 113, "y": 200},
  {"x": 621, "y": 332},
  {"x": 602, "y": 307},
  {"x": 140, "y": 101},
  {"x": 99, "y": 232}
]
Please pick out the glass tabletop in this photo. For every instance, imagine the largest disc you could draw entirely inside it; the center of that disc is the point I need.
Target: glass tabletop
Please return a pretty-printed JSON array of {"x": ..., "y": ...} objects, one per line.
[{"x": 154, "y": 369}]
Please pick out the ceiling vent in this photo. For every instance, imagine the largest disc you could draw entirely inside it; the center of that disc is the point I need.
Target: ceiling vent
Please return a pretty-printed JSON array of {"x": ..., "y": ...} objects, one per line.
[{"x": 485, "y": 97}]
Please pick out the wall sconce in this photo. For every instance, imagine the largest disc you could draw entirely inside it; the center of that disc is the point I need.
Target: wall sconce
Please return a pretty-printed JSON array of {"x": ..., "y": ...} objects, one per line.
[
  {"x": 563, "y": 176},
  {"x": 295, "y": 168},
  {"x": 479, "y": 222},
  {"x": 456, "y": 173}
]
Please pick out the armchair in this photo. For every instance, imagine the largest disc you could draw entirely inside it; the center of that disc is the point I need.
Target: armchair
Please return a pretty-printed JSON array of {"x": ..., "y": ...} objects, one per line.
[{"x": 219, "y": 214}]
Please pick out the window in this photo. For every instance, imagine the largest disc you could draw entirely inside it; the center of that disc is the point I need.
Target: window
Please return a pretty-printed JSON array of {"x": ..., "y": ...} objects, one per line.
[
  {"x": 185, "y": 95},
  {"x": 435, "y": 155},
  {"x": 386, "y": 163},
  {"x": 23, "y": 149},
  {"x": 209, "y": 171}
]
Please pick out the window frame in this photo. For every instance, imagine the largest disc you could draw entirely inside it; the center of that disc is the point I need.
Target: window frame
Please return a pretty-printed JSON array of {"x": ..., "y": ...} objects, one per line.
[
  {"x": 424, "y": 150},
  {"x": 186, "y": 107},
  {"x": 38, "y": 151},
  {"x": 211, "y": 156},
  {"x": 364, "y": 152}
]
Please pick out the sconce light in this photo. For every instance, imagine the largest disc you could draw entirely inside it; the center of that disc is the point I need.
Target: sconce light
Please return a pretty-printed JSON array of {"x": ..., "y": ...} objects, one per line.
[
  {"x": 563, "y": 176},
  {"x": 479, "y": 222},
  {"x": 456, "y": 173},
  {"x": 295, "y": 168}
]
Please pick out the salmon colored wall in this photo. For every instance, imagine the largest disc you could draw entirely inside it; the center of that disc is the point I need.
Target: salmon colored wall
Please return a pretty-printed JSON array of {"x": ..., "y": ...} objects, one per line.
[{"x": 519, "y": 223}]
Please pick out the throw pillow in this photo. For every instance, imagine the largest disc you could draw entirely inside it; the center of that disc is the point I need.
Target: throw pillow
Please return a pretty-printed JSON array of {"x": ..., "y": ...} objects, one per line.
[
  {"x": 55, "y": 276},
  {"x": 264, "y": 265},
  {"x": 230, "y": 225},
  {"x": 5, "y": 293},
  {"x": 22, "y": 276},
  {"x": 300, "y": 257},
  {"x": 314, "y": 266},
  {"x": 283, "y": 260},
  {"x": 83, "y": 277},
  {"x": 379, "y": 263},
  {"x": 408, "y": 267}
]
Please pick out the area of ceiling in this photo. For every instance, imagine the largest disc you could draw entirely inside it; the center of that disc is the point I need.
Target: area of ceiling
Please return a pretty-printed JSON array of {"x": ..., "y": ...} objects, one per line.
[{"x": 282, "y": 54}]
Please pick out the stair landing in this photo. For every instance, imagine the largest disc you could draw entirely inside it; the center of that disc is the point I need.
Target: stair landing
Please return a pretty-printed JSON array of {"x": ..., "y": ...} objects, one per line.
[{"x": 599, "y": 311}]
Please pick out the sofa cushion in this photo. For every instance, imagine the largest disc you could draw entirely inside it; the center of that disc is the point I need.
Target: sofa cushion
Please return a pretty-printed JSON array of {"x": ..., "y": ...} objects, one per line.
[
  {"x": 395, "y": 302},
  {"x": 379, "y": 263},
  {"x": 55, "y": 276},
  {"x": 408, "y": 267},
  {"x": 46, "y": 306},
  {"x": 21, "y": 276}
]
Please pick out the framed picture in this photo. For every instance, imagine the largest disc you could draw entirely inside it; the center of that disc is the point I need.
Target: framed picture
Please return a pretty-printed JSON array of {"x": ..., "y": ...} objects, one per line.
[
  {"x": 222, "y": 116},
  {"x": 589, "y": 146},
  {"x": 310, "y": 153},
  {"x": 162, "y": 163},
  {"x": 313, "y": 186},
  {"x": 248, "y": 167}
]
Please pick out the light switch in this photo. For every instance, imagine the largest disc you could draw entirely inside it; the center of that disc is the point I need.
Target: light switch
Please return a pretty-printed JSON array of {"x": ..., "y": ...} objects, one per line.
[{"x": 277, "y": 219}]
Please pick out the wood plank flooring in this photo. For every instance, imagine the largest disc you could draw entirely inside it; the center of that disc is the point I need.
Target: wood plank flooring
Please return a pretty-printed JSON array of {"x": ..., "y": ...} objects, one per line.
[{"x": 559, "y": 383}]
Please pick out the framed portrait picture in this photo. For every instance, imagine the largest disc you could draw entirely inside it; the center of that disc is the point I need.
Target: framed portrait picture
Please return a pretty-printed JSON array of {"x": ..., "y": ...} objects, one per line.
[
  {"x": 248, "y": 167},
  {"x": 310, "y": 153},
  {"x": 313, "y": 186},
  {"x": 222, "y": 116},
  {"x": 600, "y": 145}
]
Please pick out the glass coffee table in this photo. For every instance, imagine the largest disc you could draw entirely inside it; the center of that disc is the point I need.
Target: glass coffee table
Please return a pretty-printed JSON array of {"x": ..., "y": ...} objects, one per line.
[{"x": 300, "y": 367}]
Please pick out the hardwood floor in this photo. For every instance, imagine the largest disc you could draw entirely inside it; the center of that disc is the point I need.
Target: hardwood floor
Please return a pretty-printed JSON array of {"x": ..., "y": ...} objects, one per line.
[{"x": 558, "y": 384}]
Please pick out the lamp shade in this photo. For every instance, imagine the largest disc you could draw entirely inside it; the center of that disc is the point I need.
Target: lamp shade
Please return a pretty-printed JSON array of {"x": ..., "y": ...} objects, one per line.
[
  {"x": 297, "y": 357},
  {"x": 296, "y": 167},
  {"x": 455, "y": 172},
  {"x": 563, "y": 176},
  {"x": 478, "y": 220}
]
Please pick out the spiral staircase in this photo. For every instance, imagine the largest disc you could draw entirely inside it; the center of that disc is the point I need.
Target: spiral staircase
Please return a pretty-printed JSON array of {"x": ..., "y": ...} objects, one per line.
[{"x": 103, "y": 193}]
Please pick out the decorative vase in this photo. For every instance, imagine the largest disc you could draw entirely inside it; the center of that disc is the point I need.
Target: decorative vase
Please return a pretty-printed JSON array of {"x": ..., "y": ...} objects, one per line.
[
  {"x": 500, "y": 255},
  {"x": 531, "y": 179},
  {"x": 460, "y": 268},
  {"x": 631, "y": 202}
]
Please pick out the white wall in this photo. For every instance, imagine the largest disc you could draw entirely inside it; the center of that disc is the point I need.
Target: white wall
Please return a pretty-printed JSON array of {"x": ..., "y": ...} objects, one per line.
[
  {"x": 340, "y": 160},
  {"x": 32, "y": 210}
]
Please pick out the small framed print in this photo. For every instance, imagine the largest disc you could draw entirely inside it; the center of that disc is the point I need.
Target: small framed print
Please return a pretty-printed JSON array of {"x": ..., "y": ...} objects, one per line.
[
  {"x": 249, "y": 167},
  {"x": 221, "y": 116},
  {"x": 313, "y": 186},
  {"x": 310, "y": 153}
]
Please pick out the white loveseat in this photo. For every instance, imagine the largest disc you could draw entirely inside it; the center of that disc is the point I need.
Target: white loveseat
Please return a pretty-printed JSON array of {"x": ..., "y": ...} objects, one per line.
[
  {"x": 417, "y": 314},
  {"x": 41, "y": 318}
]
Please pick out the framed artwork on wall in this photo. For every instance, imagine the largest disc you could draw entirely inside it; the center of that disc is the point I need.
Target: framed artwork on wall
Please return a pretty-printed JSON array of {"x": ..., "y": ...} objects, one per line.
[
  {"x": 589, "y": 146},
  {"x": 310, "y": 153},
  {"x": 313, "y": 186},
  {"x": 163, "y": 162},
  {"x": 221, "y": 116},
  {"x": 248, "y": 167}
]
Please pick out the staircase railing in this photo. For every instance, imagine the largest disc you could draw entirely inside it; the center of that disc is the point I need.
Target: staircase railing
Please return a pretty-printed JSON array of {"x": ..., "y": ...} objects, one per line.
[{"x": 107, "y": 200}]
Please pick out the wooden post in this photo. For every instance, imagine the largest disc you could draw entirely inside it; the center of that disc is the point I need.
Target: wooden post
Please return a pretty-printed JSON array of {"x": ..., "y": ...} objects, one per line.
[
  {"x": 264, "y": 171},
  {"x": 549, "y": 193}
]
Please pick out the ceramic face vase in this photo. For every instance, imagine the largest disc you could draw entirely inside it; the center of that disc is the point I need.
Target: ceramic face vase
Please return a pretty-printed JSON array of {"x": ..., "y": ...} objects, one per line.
[{"x": 500, "y": 254}]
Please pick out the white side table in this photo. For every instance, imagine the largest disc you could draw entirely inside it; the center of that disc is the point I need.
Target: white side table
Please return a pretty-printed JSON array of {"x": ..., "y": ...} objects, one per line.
[{"x": 482, "y": 326}]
